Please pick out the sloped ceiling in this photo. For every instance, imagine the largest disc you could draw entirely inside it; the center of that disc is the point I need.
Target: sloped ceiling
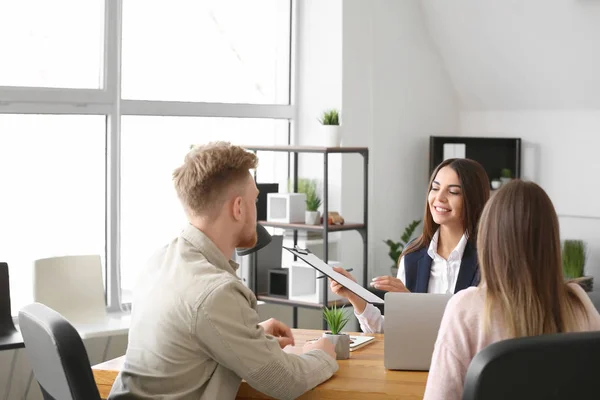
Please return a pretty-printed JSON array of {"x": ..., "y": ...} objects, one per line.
[{"x": 519, "y": 54}]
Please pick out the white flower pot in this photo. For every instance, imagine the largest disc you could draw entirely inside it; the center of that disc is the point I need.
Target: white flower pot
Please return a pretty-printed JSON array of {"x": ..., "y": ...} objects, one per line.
[
  {"x": 505, "y": 180},
  {"x": 341, "y": 343},
  {"x": 331, "y": 135},
  {"x": 496, "y": 184},
  {"x": 312, "y": 218}
]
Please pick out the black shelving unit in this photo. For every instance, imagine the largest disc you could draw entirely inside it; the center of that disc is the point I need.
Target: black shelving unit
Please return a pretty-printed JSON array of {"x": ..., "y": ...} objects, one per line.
[
  {"x": 361, "y": 228},
  {"x": 492, "y": 153}
]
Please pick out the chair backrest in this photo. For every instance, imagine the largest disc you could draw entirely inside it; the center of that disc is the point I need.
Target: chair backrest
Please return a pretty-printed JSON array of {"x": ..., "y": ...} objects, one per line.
[
  {"x": 71, "y": 285},
  {"x": 595, "y": 298},
  {"x": 557, "y": 366},
  {"x": 57, "y": 354},
  {"x": 6, "y": 322}
]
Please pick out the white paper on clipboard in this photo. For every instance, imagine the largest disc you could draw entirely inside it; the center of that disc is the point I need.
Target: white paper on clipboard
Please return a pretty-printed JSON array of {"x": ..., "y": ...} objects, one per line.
[{"x": 326, "y": 269}]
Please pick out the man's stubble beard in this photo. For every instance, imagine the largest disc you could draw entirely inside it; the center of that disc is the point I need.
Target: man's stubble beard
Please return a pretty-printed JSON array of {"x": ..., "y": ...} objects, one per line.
[{"x": 248, "y": 241}]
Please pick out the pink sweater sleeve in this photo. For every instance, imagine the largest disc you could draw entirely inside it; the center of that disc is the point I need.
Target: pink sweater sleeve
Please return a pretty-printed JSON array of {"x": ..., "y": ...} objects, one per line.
[
  {"x": 446, "y": 376},
  {"x": 451, "y": 353}
]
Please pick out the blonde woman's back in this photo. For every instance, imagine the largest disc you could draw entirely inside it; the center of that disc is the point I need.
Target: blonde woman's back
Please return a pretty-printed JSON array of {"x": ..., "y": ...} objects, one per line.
[{"x": 462, "y": 334}]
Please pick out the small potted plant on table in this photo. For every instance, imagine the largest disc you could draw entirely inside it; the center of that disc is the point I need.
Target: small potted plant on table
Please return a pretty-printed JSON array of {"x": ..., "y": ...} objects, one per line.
[{"x": 337, "y": 320}]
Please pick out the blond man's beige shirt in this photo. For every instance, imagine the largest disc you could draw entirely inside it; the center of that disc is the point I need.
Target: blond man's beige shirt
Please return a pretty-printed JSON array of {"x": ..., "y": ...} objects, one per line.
[
  {"x": 195, "y": 335},
  {"x": 462, "y": 335}
]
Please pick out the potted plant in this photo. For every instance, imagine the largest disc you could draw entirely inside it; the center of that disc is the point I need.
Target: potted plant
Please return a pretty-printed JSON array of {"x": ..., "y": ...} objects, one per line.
[
  {"x": 331, "y": 128},
  {"x": 336, "y": 320},
  {"x": 505, "y": 175},
  {"x": 573, "y": 259},
  {"x": 313, "y": 202},
  {"x": 396, "y": 248},
  {"x": 312, "y": 216}
]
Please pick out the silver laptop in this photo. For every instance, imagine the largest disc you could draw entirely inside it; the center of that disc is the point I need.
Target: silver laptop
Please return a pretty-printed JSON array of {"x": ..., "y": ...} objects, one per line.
[{"x": 411, "y": 325}]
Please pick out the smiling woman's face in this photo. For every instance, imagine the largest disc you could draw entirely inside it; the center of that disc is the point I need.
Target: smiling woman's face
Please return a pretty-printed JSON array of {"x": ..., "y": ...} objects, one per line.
[{"x": 446, "y": 198}]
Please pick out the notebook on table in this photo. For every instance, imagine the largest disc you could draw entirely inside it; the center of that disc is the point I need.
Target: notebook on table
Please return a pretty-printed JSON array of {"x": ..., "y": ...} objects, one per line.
[{"x": 356, "y": 342}]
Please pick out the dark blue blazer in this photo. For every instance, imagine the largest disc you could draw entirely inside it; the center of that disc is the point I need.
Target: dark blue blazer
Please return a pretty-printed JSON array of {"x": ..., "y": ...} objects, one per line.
[{"x": 418, "y": 269}]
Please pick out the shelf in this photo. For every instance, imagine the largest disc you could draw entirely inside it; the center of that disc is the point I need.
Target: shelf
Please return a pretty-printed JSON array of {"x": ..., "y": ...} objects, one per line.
[
  {"x": 309, "y": 149},
  {"x": 303, "y": 304},
  {"x": 331, "y": 228}
]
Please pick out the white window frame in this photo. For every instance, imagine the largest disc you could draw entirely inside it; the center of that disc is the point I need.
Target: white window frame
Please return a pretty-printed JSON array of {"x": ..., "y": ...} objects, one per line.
[{"x": 107, "y": 101}]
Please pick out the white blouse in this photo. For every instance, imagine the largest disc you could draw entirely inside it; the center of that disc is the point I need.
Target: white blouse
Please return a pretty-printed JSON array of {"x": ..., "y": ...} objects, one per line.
[{"x": 442, "y": 280}]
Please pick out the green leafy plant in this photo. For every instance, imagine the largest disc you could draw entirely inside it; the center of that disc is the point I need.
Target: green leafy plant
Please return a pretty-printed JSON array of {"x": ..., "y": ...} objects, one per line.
[
  {"x": 397, "y": 247},
  {"x": 309, "y": 188},
  {"x": 336, "y": 319},
  {"x": 330, "y": 117},
  {"x": 506, "y": 173},
  {"x": 573, "y": 258}
]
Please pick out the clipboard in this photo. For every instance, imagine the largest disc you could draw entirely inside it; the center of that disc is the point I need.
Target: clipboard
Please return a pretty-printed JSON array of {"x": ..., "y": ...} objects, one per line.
[{"x": 318, "y": 264}]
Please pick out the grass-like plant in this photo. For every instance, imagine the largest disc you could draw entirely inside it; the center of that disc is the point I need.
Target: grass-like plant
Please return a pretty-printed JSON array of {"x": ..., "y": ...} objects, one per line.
[
  {"x": 309, "y": 188},
  {"x": 336, "y": 319},
  {"x": 330, "y": 117},
  {"x": 573, "y": 258},
  {"x": 506, "y": 173},
  {"x": 397, "y": 247}
]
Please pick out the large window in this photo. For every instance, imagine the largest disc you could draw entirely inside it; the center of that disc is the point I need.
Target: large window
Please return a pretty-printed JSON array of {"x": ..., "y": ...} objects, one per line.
[
  {"x": 52, "y": 184},
  {"x": 97, "y": 110},
  {"x": 225, "y": 51},
  {"x": 54, "y": 43}
]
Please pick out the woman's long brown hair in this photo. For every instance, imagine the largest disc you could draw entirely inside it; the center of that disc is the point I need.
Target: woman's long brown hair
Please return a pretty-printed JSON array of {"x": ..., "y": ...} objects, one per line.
[
  {"x": 475, "y": 189},
  {"x": 520, "y": 259}
]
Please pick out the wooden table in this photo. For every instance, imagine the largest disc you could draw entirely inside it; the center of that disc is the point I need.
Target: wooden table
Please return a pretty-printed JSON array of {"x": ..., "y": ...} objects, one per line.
[{"x": 360, "y": 377}]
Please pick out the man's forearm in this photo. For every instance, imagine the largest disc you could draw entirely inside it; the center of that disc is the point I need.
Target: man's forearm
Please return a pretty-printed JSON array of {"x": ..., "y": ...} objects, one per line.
[{"x": 290, "y": 377}]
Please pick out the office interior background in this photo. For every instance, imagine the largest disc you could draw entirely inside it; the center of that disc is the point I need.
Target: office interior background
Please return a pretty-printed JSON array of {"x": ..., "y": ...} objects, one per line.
[{"x": 100, "y": 100}]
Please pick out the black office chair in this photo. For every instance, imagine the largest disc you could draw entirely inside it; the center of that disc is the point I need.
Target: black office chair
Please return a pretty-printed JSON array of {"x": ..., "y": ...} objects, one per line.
[
  {"x": 10, "y": 338},
  {"x": 56, "y": 352},
  {"x": 557, "y": 366},
  {"x": 595, "y": 298}
]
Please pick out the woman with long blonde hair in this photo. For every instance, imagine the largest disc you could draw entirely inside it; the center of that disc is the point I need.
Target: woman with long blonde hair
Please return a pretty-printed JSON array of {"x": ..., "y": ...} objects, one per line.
[{"x": 522, "y": 290}]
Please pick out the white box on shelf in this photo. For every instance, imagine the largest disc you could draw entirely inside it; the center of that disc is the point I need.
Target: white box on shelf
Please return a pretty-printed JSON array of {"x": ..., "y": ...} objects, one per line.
[
  {"x": 286, "y": 208},
  {"x": 303, "y": 284},
  {"x": 454, "y": 150}
]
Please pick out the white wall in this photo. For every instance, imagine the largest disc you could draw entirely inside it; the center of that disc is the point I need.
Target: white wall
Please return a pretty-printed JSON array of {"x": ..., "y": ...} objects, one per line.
[
  {"x": 395, "y": 93},
  {"x": 560, "y": 153},
  {"x": 516, "y": 55},
  {"x": 319, "y": 85}
]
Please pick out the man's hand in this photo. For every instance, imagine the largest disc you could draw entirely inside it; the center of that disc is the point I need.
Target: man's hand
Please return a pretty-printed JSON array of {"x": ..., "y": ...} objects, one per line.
[
  {"x": 279, "y": 330},
  {"x": 321, "y": 344},
  {"x": 358, "y": 303},
  {"x": 389, "y": 284}
]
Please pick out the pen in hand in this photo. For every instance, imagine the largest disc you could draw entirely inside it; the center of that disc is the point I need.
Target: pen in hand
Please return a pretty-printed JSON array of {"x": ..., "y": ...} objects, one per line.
[{"x": 323, "y": 276}]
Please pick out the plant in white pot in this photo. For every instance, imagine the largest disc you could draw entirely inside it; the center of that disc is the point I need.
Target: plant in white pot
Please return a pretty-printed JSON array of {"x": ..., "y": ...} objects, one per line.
[
  {"x": 336, "y": 320},
  {"x": 313, "y": 202},
  {"x": 505, "y": 176},
  {"x": 331, "y": 128}
]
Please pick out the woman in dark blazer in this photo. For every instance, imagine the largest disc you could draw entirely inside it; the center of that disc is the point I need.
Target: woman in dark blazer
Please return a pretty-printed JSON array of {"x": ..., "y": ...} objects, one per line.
[{"x": 443, "y": 259}]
